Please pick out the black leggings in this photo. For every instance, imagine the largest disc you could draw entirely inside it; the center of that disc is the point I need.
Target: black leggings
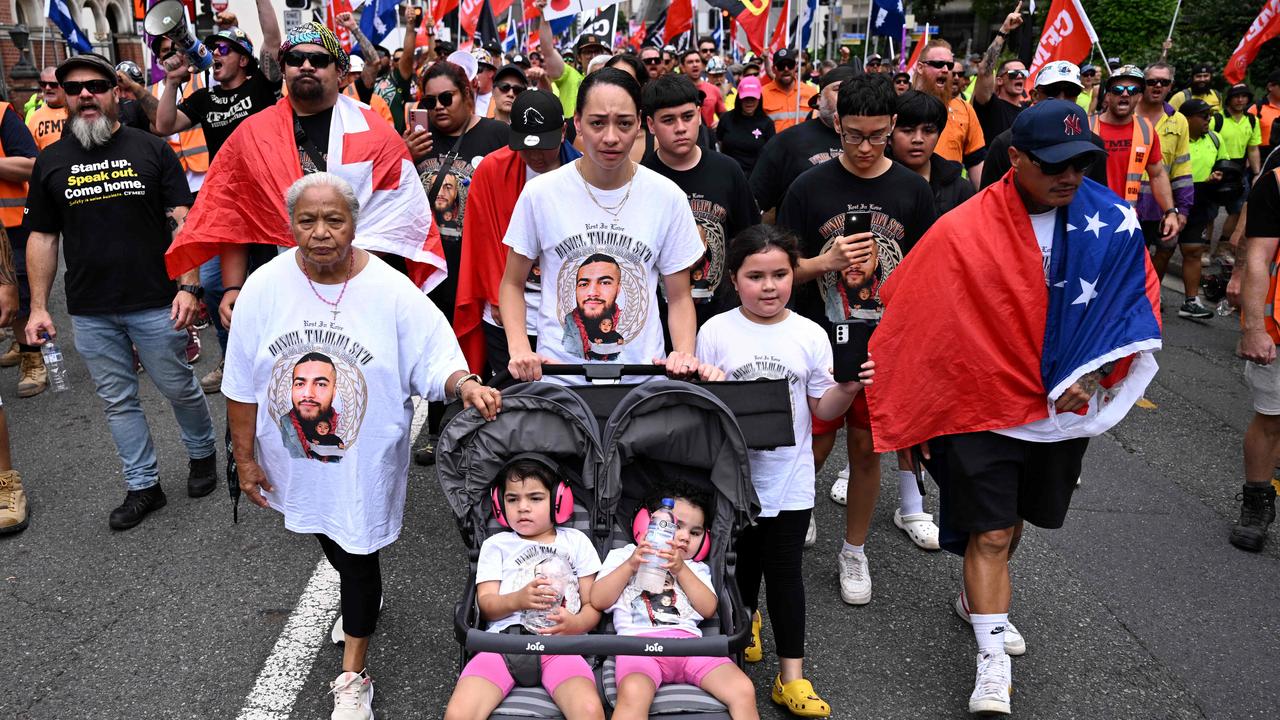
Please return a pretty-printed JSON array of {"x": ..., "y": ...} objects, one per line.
[
  {"x": 773, "y": 550},
  {"x": 361, "y": 587}
]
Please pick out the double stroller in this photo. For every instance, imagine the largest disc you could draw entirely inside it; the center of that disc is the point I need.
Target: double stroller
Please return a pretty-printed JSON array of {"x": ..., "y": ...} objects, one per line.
[{"x": 656, "y": 432}]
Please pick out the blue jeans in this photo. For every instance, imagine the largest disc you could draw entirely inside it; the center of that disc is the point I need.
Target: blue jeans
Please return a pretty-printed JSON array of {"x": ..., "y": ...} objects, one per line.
[
  {"x": 105, "y": 342},
  {"x": 211, "y": 281}
]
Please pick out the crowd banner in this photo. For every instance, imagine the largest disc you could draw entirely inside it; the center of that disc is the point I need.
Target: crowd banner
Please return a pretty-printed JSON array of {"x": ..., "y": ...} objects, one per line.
[
  {"x": 1264, "y": 27},
  {"x": 1068, "y": 35}
]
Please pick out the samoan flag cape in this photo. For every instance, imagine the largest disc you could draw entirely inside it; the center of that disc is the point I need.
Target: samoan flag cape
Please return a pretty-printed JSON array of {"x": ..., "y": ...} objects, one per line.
[{"x": 973, "y": 338}]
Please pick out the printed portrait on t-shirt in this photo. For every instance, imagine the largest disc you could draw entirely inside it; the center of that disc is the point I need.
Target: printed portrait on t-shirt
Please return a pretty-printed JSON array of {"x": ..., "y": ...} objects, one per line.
[
  {"x": 668, "y": 607},
  {"x": 602, "y": 294},
  {"x": 446, "y": 206},
  {"x": 855, "y": 291},
  {"x": 450, "y": 204},
  {"x": 707, "y": 273},
  {"x": 318, "y": 393}
]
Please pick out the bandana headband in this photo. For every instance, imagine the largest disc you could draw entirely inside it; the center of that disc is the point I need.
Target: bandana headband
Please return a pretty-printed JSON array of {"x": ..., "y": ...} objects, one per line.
[{"x": 317, "y": 34}]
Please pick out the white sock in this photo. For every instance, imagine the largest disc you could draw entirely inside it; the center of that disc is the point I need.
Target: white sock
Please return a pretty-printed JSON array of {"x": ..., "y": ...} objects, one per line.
[
  {"x": 855, "y": 549},
  {"x": 989, "y": 631},
  {"x": 909, "y": 498}
]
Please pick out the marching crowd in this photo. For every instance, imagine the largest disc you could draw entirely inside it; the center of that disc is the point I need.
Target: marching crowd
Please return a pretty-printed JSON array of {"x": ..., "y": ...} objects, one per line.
[{"x": 360, "y": 230}]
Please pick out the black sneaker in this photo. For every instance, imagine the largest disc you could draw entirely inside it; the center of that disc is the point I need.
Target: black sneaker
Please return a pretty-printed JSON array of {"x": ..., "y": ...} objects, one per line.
[
  {"x": 1194, "y": 310},
  {"x": 136, "y": 505},
  {"x": 1257, "y": 511},
  {"x": 426, "y": 455},
  {"x": 202, "y": 477}
]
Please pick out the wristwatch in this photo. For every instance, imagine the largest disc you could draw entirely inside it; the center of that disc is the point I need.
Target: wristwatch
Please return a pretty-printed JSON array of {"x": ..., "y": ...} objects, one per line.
[
  {"x": 1173, "y": 210},
  {"x": 193, "y": 289}
]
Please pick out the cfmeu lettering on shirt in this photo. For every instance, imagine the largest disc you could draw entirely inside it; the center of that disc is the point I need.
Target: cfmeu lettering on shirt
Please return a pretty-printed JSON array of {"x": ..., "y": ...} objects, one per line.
[{"x": 98, "y": 179}]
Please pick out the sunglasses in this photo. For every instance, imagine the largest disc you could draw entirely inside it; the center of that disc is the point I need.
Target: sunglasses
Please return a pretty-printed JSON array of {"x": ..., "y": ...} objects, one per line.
[
  {"x": 445, "y": 99},
  {"x": 653, "y": 61},
  {"x": 97, "y": 87},
  {"x": 940, "y": 64},
  {"x": 1159, "y": 82},
  {"x": 1123, "y": 89},
  {"x": 1079, "y": 163},
  {"x": 1016, "y": 74},
  {"x": 221, "y": 50},
  {"x": 785, "y": 65},
  {"x": 706, "y": 50},
  {"x": 508, "y": 88},
  {"x": 318, "y": 60},
  {"x": 44, "y": 85}
]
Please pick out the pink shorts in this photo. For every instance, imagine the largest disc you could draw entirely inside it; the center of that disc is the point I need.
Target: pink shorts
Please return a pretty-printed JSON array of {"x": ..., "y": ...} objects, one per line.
[
  {"x": 555, "y": 670},
  {"x": 669, "y": 670}
]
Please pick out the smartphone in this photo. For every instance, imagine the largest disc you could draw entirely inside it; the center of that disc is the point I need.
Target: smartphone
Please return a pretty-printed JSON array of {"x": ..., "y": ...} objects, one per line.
[
  {"x": 856, "y": 221},
  {"x": 420, "y": 119},
  {"x": 849, "y": 340}
]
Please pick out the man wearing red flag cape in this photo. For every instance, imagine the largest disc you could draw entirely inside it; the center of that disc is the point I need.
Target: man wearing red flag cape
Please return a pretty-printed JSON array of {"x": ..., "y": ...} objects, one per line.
[
  {"x": 1002, "y": 388},
  {"x": 240, "y": 213}
]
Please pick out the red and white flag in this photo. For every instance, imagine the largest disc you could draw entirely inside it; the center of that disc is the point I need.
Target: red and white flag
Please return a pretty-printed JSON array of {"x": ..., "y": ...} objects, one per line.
[
  {"x": 1068, "y": 35},
  {"x": 679, "y": 20},
  {"x": 332, "y": 10},
  {"x": 782, "y": 31},
  {"x": 1263, "y": 28},
  {"x": 468, "y": 18},
  {"x": 915, "y": 54}
]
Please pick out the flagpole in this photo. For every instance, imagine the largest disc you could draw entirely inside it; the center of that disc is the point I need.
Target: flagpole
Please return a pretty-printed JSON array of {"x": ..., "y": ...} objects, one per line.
[
  {"x": 1168, "y": 40},
  {"x": 866, "y": 41}
]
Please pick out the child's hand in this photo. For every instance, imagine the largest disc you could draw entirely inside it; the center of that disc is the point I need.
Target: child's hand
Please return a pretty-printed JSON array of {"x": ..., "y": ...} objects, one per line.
[
  {"x": 642, "y": 554},
  {"x": 564, "y": 623},
  {"x": 674, "y": 561},
  {"x": 537, "y": 595},
  {"x": 864, "y": 377}
]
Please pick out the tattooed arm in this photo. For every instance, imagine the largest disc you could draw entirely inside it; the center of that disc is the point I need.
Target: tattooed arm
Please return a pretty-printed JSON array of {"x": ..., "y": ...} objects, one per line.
[
  {"x": 985, "y": 85},
  {"x": 269, "y": 58}
]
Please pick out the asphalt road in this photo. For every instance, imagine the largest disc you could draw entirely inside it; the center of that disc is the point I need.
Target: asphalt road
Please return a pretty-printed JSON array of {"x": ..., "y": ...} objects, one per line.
[{"x": 1138, "y": 608}]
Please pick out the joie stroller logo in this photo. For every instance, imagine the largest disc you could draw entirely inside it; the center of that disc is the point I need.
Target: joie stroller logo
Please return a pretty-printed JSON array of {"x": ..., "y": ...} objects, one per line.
[
  {"x": 535, "y": 647},
  {"x": 653, "y": 647}
]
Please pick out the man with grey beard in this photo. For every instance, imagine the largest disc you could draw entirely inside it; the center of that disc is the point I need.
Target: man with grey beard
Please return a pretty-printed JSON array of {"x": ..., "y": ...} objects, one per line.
[
  {"x": 799, "y": 148},
  {"x": 117, "y": 195}
]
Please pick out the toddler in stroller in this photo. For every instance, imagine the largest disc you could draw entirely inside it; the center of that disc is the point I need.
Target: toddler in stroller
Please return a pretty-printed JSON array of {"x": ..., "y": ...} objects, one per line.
[
  {"x": 687, "y": 597},
  {"x": 534, "y": 578}
]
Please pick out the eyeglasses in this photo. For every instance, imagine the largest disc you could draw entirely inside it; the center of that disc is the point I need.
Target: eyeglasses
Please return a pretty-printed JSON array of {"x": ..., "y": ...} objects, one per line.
[
  {"x": 940, "y": 64},
  {"x": 223, "y": 50},
  {"x": 97, "y": 87},
  {"x": 507, "y": 88},
  {"x": 318, "y": 60},
  {"x": 445, "y": 99},
  {"x": 854, "y": 140},
  {"x": 1016, "y": 74},
  {"x": 706, "y": 49},
  {"x": 49, "y": 85},
  {"x": 1123, "y": 89},
  {"x": 1159, "y": 82},
  {"x": 1079, "y": 163},
  {"x": 785, "y": 65},
  {"x": 653, "y": 61}
]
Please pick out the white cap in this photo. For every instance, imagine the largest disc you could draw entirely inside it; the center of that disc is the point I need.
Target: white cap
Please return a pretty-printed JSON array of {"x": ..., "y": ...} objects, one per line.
[
  {"x": 1059, "y": 71},
  {"x": 357, "y": 64},
  {"x": 466, "y": 61}
]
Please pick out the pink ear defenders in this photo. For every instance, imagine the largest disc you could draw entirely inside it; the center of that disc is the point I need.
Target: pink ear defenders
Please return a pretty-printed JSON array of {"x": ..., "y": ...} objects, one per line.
[
  {"x": 561, "y": 498},
  {"x": 640, "y": 528}
]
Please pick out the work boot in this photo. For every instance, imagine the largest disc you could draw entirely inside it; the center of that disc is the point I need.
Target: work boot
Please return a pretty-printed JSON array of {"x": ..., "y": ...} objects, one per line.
[
  {"x": 137, "y": 504},
  {"x": 13, "y": 503},
  {"x": 212, "y": 382},
  {"x": 1257, "y": 511},
  {"x": 33, "y": 378},
  {"x": 12, "y": 356},
  {"x": 202, "y": 477}
]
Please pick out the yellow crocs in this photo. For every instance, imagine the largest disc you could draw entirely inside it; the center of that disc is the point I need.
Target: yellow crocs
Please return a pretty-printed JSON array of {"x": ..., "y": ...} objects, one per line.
[
  {"x": 800, "y": 698},
  {"x": 754, "y": 652}
]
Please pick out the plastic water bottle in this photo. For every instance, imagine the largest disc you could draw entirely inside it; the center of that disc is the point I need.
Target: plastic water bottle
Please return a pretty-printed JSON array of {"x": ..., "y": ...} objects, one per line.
[
  {"x": 54, "y": 365},
  {"x": 556, "y": 571},
  {"x": 652, "y": 577},
  {"x": 1224, "y": 308}
]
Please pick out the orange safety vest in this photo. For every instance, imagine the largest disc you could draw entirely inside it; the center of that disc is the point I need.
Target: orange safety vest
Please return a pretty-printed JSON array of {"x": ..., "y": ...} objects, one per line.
[
  {"x": 13, "y": 195},
  {"x": 1139, "y": 150},
  {"x": 45, "y": 124},
  {"x": 189, "y": 145},
  {"x": 376, "y": 103}
]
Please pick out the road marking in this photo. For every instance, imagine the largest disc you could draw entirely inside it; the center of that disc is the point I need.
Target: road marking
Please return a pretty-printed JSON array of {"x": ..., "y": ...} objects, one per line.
[
  {"x": 419, "y": 419},
  {"x": 286, "y": 669}
]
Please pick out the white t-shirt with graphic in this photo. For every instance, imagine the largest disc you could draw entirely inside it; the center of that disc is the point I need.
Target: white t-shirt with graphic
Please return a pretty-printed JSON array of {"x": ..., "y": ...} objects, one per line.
[
  {"x": 515, "y": 562},
  {"x": 1044, "y": 225},
  {"x": 798, "y": 350},
  {"x": 599, "y": 277},
  {"x": 638, "y": 613},
  {"x": 334, "y": 393}
]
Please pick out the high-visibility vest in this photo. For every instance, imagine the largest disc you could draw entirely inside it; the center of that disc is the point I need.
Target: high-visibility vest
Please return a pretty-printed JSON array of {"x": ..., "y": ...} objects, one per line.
[
  {"x": 1139, "y": 150},
  {"x": 45, "y": 124},
  {"x": 189, "y": 145},
  {"x": 13, "y": 195}
]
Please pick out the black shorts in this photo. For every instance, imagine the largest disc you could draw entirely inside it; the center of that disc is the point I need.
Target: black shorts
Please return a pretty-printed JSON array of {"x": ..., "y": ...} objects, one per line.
[{"x": 989, "y": 481}]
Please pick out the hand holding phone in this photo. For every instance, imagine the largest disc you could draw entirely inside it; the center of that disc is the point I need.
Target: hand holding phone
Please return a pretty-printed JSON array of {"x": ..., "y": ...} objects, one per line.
[
  {"x": 849, "y": 339},
  {"x": 420, "y": 119}
]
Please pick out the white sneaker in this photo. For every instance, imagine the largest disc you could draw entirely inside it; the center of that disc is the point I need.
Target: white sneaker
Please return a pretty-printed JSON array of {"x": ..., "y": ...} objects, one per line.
[
  {"x": 919, "y": 527},
  {"x": 1014, "y": 643},
  {"x": 840, "y": 490},
  {"x": 992, "y": 686},
  {"x": 855, "y": 578},
  {"x": 352, "y": 697},
  {"x": 811, "y": 535}
]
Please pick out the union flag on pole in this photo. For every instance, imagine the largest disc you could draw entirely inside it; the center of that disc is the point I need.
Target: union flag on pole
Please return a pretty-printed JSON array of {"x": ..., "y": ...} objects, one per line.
[
  {"x": 1068, "y": 35},
  {"x": 1263, "y": 28},
  {"x": 752, "y": 15},
  {"x": 781, "y": 31}
]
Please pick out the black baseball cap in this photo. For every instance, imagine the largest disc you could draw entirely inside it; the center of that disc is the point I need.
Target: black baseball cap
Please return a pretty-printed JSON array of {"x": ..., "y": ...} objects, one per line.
[
  {"x": 1054, "y": 130},
  {"x": 521, "y": 60},
  {"x": 537, "y": 121},
  {"x": 588, "y": 40},
  {"x": 511, "y": 69},
  {"x": 93, "y": 61},
  {"x": 1195, "y": 106},
  {"x": 784, "y": 54},
  {"x": 1239, "y": 89},
  {"x": 837, "y": 74}
]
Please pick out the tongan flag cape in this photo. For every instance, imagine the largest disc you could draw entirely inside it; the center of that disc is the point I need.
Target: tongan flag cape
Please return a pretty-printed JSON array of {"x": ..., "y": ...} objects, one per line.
[
  {"x": 242, "y": 200},
  {"x": 972, "y": 340}
]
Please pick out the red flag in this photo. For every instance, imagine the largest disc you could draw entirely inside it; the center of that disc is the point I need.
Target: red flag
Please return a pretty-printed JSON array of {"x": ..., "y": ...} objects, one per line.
[
  {"x": 331, "y": 13},
  {"x": 468, "y": 18},
  {"x": 754, "y": 18},
  {"x": 679, "y": 20},
  {"x": 915, "y": 54},
  {"x": 1264, "y": 27},
  {"x": 1068, "y": 35},
  {"x": 440, "y": 8},
  {"x": 782, "y": 31}
]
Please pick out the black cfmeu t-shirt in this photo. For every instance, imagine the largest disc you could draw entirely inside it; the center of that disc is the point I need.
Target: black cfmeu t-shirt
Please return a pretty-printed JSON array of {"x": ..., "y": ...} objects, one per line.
[
  {"x": 901, "y": 207},
  {"x": 722, "y": 207},
  {"x": 790, "y": 153},
  {"x": 996, "y": 115},
  {"x": 218, "y": 111},
  {"x": 109, "y": 204}
]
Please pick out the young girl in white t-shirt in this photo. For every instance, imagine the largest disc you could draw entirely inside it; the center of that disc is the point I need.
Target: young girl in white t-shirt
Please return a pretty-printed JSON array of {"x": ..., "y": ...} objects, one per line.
[
  {"x": 763, "y": 339},
  {"x": 538, "y": 576}
]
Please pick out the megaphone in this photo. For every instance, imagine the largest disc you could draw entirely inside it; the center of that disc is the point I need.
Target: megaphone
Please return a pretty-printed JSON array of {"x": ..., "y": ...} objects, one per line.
[{"x": 169, "y": 18}]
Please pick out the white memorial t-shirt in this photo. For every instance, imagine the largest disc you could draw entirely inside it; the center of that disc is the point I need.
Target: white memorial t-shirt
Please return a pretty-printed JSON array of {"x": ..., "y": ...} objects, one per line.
[
  {"x": 798, "y": 350},
  {"x": 639, "y": 613},
  {"x": 515, "y": 561}
]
